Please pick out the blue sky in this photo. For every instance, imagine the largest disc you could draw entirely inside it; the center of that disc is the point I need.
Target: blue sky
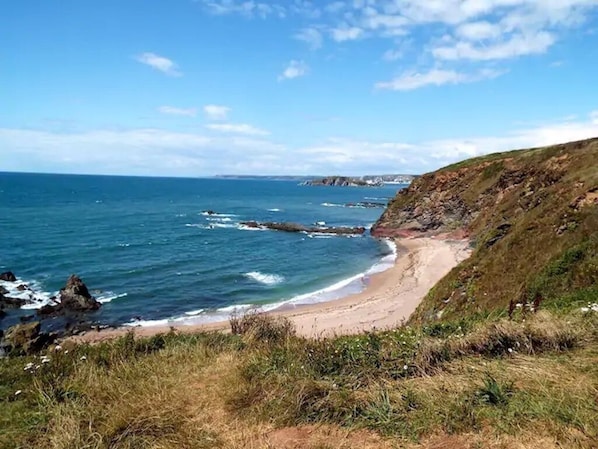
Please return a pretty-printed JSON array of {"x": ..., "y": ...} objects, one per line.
[{"x": 204, "y": 87}]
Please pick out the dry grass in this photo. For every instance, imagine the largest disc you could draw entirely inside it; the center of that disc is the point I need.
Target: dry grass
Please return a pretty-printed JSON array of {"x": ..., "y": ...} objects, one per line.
[{"x": 462, "y": 388}]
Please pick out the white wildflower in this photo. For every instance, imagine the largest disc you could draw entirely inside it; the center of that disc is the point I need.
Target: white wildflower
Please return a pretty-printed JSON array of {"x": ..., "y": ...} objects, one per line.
[
  {"x": 58, "y": 348},
  {"x": 28, "y": 366},
  {"x": 83, "y": 358},
  {"x": 510, "y": 350},
  {"x": 18, "y": 392},
  {"x": 406, "y": 367}
]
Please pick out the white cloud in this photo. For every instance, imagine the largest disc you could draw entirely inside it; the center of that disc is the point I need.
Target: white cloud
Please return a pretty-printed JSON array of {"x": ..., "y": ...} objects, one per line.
[
  {"x": 476, "y": 31},
  {"x": 311, "y": 36},
  {"x": 435, "y": 77},
  {"x": 216, "y": 112},
  {"x": 171, "y": 110},
  {"x": 517, "y": 45},
  {"x": 240, "y": 128},
  {"x": 346, "y": 33},
  {"x": 162, "y": 152},
  {"x": 160, "y": 63},
  {"x": 446, "y": 34},
  {"x": 294, "y": 69},
  {"x": 247, "y": 8}
]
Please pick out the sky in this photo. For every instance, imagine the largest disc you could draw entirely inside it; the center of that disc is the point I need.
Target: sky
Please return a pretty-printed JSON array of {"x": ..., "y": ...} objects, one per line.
[{"x": 289, "y": 87}]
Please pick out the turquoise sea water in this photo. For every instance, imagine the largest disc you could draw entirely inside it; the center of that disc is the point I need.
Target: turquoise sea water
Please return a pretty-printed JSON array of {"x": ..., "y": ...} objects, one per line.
[{"x": 146, "y": 250}]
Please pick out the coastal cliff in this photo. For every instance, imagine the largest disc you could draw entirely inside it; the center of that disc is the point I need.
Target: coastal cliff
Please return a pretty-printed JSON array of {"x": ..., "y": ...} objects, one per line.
[{"x": 526, "y": 213}]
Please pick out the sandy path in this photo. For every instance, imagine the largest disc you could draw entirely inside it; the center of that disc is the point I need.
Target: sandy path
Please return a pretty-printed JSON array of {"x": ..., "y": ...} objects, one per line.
[{"x": 390, "y": 297}]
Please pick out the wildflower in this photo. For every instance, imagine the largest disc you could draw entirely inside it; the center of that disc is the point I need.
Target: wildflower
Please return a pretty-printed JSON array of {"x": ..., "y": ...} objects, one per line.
[
  {"x": 45, "y": 359},
  {"x": 406, "y": 367},
  {"x": 18, "y": 392},
  {"x": 83, "y": 358},
  {"x": 58, "y": 348},
  {"x": 66, "y": 352},
  {"x": 28, "y": 366},
  {"x": 510, "y": 350}
]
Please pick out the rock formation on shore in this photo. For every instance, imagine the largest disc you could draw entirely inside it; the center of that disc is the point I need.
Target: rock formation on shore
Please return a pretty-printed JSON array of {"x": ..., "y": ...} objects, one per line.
[
  {"x": 524, "y": 211},
  {"x": 74, "y": 297},
  {"x": 341, "y": 181}
]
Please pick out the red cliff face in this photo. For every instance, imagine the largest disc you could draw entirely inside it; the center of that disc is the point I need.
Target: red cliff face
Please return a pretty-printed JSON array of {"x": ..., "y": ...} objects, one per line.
[
  {"x": 465, "y": 198},
  {"x": 523, "y": 211}
]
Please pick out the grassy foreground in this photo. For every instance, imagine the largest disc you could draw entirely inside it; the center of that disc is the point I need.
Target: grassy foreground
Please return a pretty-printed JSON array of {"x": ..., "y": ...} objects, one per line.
[{"x": 529, "y": 381}]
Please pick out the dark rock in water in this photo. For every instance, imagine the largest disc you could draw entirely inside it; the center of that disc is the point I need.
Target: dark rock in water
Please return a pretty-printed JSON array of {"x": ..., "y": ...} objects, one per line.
[
  {"x": 74, "y": 297},
  {"x": 366, "y": 205},
  {"x": 23, "y": 288},
  {"x": 2, "y": 315},
  {"x": 251, "y": 224},
  {"x": 8, "y": 277},
  {"x": 209, "y": 212},
  {"x": 11, "y": 303},
  {"x": 27, "y": 338},
  {"x": 294, "y": 227},
  {"x": 3, "y": 291},
  {"x": 26, "y": 318}
]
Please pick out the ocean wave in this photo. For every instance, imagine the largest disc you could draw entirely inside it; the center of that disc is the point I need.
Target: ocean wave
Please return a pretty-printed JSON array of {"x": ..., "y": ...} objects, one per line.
[
  {"x": 195, "y": 312},
  {"x": 109, "y": 296},
  {"x": 220, "y": 219},
  {"x": 332, "y": 205},
  {"x": 350, "y": 285},
  {"x": 264, "y": 278},
  {"x": 274, "y": 210},
  {"x": 35, "y": 296},
  {"x": 250, "y": 228},
  {"x": 235, "y": 308}
]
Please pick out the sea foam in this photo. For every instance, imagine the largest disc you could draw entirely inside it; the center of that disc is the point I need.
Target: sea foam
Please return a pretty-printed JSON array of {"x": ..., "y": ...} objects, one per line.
[{"x": 263, "y": 278}]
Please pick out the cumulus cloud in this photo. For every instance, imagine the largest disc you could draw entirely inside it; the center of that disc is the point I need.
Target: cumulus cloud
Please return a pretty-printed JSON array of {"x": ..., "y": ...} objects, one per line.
[
  {"x": 171, "y": 110},
  {"x": 448, "y": 35},
  {"x": 239, "y": 128},
  {"x": 294, "y": 69},
  {"x": 216, "y": 112},
  {"x": 159, "y": 63}
]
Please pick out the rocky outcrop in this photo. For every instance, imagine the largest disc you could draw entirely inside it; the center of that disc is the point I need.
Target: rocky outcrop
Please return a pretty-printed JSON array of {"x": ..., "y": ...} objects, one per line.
[
  {"x": 367, "y": 205},
  {"x": 26, "y": 338},
  {"x": 341, "y": 181},
  {"x": 74, "y": 297},
  {"x": 294, "y": 227},
  {"x": 11, "y": 303},
  {"x": 8, "y": 277},
  {"x": 525, "y": 212}
]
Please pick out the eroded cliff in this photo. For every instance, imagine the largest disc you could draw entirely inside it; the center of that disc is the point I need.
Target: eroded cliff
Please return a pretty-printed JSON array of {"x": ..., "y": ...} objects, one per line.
[{"x": 527, "y": 213}]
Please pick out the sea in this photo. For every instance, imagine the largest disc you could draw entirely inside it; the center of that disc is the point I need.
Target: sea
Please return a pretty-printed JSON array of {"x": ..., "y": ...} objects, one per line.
[{"x": 152, "y": 254}]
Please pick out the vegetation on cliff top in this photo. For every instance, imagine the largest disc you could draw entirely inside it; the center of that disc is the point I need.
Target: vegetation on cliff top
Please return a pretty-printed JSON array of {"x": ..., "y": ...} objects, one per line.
[
  {"x": 502, "y": 353},
  {"x": 532, "y": 216}
]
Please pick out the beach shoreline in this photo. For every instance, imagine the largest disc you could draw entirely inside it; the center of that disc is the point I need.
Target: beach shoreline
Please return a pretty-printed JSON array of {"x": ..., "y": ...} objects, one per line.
[{"x": 389, "y": 298}]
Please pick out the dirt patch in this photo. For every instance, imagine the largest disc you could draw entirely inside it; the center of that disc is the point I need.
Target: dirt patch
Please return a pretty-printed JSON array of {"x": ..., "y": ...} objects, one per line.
[{"x": 305, "y": 437}]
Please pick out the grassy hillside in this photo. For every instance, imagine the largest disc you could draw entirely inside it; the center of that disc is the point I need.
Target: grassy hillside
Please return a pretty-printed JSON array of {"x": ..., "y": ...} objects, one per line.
[
  {"x": 532, "y": 217},
  {"x": 503, "y": 353}
]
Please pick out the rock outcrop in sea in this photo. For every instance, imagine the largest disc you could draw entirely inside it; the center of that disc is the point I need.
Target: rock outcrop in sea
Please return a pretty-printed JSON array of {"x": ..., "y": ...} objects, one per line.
[
  {"x": 294, "y": 227},
  {"x": 74, "y": 297}
]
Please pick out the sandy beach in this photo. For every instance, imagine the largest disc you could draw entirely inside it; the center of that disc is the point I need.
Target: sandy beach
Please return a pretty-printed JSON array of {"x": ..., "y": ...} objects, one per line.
[{"x": 389, "y": 298}]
